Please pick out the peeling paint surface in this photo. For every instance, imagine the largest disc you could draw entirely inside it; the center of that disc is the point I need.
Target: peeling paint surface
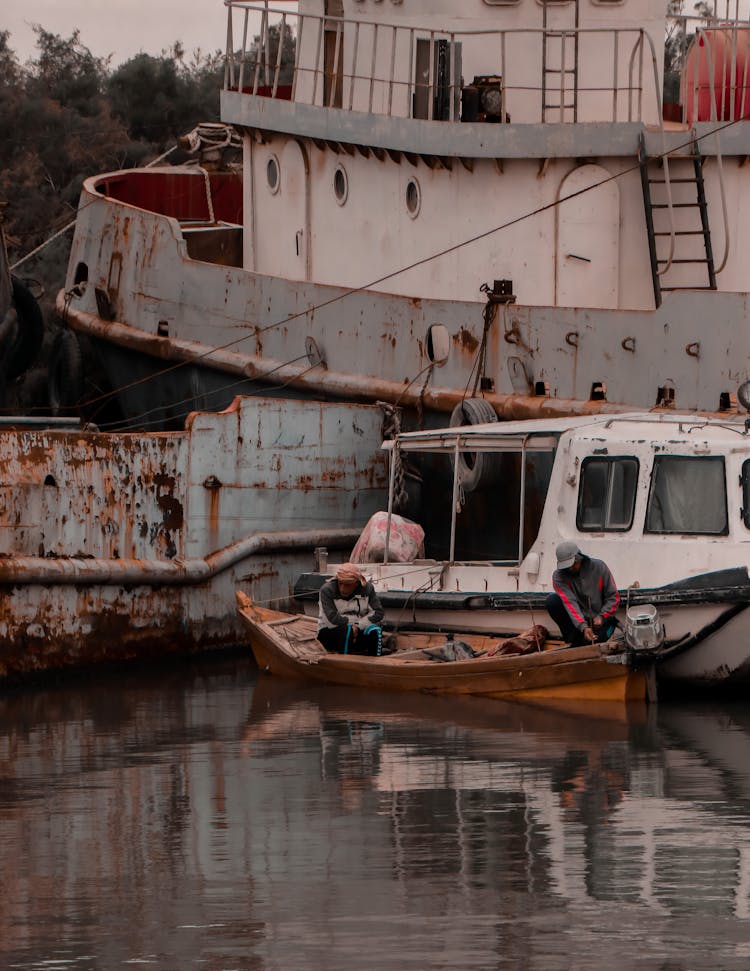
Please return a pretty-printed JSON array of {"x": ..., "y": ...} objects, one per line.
[
  {"x": 83, "y": 502},
  {"x": 377, "y": 336}
]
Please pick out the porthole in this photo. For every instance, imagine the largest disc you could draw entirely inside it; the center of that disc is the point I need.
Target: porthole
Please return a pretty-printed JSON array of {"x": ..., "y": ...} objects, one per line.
[
  {"x": 413, "y": 198},
  {"x": 340, "y": 185},
  {"x": 272, "y": 174}
]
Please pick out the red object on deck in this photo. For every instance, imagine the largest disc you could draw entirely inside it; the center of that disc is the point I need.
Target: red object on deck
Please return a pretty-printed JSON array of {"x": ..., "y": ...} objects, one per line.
[
  {"x": 179, "y": 194},
  {"x": 717, "y": 75}
]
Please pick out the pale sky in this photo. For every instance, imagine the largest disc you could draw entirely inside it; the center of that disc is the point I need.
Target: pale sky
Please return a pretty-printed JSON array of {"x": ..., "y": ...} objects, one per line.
[
  {"x": 126, "y": 27},
  {"x": 118, "y": 27}
]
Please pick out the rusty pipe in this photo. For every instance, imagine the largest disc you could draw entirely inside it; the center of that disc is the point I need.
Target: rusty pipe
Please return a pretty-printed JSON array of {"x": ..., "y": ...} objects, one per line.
[
  {"x": 72, "y": 570},
  {"x": 357, "y": 387}
]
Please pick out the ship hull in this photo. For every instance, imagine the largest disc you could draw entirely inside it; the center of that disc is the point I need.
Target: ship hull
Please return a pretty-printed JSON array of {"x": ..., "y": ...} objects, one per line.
[
  {"x": 118, "y": 547},
  {"x": 317, "y": 340}
]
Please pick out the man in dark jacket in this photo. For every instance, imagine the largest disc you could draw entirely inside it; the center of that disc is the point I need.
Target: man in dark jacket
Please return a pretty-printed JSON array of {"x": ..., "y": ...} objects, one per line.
[
  {"x": 585, "y": 599},
  {"x": 349, "y": 614}
]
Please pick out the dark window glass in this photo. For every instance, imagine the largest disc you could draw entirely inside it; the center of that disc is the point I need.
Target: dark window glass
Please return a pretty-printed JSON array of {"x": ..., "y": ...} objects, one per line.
[
  {"x": 688, "y": 495},
  {"x": 746, "y": 493},
  {"x": 606, "y": 498}
]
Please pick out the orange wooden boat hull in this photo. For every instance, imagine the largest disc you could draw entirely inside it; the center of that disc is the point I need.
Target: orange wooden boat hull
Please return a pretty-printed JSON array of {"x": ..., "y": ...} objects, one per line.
[{"x": 569, "y": 674}]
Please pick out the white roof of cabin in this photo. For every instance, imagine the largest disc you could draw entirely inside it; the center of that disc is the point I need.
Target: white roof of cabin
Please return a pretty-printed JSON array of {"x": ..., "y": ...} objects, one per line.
[{"x": 542, "y": 434}]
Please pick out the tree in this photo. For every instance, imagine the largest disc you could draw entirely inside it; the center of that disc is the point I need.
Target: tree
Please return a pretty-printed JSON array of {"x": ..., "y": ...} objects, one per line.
[
  {"x": 160, "y": 98},
  {"x": 677, "y": 42},
  {"x": 65, "y": 115},
  {"x": 268, "y": 55},
  {"x": 66, "y": 70},
  {"x": 10, "y": 98},
  {"x": 63, "y": 129}
]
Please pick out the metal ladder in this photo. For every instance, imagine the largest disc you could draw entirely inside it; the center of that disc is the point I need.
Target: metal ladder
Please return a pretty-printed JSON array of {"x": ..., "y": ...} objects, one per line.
[
  {"x": 560, "y": 65},
  {"x": 658, "y": 180}
]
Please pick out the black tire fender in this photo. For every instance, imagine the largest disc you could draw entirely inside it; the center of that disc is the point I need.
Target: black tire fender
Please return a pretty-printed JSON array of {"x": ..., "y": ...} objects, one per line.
[
  {"x": 475, "y": 469},
  {"x": 8, "y": 333},
  {"x": 65, "y": 378},
  {"x": 30, "y": 330}
]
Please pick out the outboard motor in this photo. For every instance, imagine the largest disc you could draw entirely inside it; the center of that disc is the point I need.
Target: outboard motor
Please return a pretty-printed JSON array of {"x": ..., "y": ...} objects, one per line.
[{"x": 644, "y": 630}]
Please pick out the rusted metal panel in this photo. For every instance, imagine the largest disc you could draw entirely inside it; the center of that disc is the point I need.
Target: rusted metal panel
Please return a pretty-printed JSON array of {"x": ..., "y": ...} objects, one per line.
[
  {"x": 83, "y": 494},
  {"x": 113, "y": 546},
  {"x": 308, "y": 465}
]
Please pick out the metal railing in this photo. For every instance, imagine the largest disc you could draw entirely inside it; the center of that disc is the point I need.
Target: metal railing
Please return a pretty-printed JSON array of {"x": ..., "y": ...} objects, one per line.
[
  {"x": 716, "y": 79},
  {"x": 403, "y": 71}
]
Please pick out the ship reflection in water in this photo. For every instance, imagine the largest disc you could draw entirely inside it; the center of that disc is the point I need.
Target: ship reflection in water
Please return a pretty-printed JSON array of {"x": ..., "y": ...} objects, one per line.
[{"x": 212, "y": 817}]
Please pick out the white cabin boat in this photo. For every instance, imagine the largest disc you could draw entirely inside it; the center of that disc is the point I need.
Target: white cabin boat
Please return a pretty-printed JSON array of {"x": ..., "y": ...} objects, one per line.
[
  {"x": 486, "y": 194},
  {"x": 663, "y": 500}
]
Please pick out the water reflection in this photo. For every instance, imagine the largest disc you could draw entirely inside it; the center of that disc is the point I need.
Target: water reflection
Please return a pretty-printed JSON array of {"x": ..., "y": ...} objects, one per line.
[{"x": 213, "y": 817}]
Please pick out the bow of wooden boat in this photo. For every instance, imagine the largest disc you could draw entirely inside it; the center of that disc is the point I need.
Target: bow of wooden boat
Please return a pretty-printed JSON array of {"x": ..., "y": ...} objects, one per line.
[
  {"x": 252, "y": 611},
  {"x": 281, "y": 643}
]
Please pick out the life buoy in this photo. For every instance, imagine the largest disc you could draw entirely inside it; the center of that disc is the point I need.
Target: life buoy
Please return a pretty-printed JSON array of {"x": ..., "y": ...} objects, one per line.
[
  {"x": 30, "y": 331},
  {"x": 475, "y": 469},
  {"x": 65, "y": 378}
]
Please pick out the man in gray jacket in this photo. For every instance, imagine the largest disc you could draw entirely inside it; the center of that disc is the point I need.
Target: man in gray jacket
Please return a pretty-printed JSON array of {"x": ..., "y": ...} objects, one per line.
[
  {"x": 349, "y": 614},
  {"x": 585, "y": 599}
]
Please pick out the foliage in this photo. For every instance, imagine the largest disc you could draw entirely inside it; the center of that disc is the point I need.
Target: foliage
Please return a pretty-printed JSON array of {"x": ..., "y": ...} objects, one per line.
[
  {"x": 677, "y": 41},
  {"x": 160, "y": 98},
  {"x": 67, "y": 71},
  {"x": 66, "y": 114},
  {"x": 267, "y": 53}
]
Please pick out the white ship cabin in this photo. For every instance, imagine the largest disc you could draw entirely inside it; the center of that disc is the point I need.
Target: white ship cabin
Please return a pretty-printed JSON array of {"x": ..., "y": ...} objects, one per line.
[
  {"x": 660, "y": 498},
  {"x": 428, "y": 147}
]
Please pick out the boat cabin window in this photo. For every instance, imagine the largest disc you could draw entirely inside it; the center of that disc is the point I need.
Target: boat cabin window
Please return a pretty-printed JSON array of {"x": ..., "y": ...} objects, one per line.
[
  {"x": 688, "y": 495},
  {"x": 606, "y": 497},
  {"x": 500, "y": 507}
]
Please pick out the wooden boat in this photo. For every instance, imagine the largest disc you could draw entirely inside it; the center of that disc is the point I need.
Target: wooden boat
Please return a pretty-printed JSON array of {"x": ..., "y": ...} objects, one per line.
[{"x": 286, "y": 645}]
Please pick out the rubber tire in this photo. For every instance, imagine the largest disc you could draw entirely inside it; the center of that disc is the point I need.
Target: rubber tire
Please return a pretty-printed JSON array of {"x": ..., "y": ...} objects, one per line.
[
  {"x": 475, "y": 469},
  {"x": 65, "y": 378},
  {"x": 30, "y": 330}
]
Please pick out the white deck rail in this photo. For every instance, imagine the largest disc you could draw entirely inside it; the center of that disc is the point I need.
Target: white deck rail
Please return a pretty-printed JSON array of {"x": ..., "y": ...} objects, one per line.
[{"x": 389, "y": 68}]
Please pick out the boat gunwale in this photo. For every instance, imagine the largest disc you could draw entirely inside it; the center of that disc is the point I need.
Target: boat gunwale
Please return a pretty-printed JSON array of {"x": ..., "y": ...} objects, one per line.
[{"x": 550, "y": 657}]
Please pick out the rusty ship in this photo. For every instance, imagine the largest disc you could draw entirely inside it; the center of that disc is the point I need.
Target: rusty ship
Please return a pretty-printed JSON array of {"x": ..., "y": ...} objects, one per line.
[{"x": 465, "y": 211}]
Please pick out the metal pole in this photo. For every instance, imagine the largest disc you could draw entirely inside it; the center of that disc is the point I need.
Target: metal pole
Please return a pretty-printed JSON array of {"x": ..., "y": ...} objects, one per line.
[
  {"x": 297, "y": 55},
  {"x": 282, "y": 34},
  {"x": 241, "y": 81},
  {"x": 229, "y": 63},
  {"x": 373, "y": 66},
  {"x": 355, "y": 54},
  {"x": 522, "y": 502},
  {"x": 454, "y": 505},
  {"x": 391, "y": 486}
]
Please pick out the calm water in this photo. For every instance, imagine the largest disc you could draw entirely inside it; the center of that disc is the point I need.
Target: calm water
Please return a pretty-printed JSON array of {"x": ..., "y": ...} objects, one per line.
[{"x": 212, "y": 818}]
